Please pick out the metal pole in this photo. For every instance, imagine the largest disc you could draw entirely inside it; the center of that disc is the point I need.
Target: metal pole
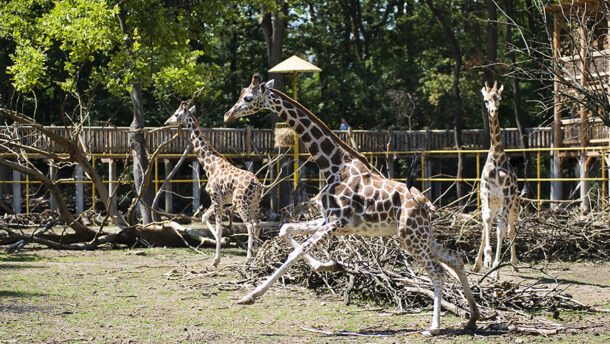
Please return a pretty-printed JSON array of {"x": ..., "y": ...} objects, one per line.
[
  {"x": 538, "y": 187},
  {"x": 92, "y": 183},
  {"x": 78, "y": 177},
  {"x": 16, "y": 192},
  {"x": 603, "y": 180},
  {"x": 27, "y": 193},
  {"x": 294, "y": 86},
  {"x": 296, "y": 137},
  {"x": 52, "y": 176},
  {"x": 156, "y": 175},
  {"x": 423, "y": 174},
  {"x": 478, "y": 181},
  {"x": 195, "y": 182}
]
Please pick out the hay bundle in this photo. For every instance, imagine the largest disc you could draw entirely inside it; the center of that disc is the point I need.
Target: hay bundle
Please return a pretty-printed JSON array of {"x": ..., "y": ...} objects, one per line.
[{"x": 284, "y": 137}]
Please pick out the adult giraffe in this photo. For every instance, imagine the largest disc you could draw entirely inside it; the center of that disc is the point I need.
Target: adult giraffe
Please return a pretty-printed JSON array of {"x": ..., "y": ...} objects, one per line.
[
  {"x": 355, "y": 200},
  {"x": 227, "y": 184},
  {"x": 499, "y": 192}
]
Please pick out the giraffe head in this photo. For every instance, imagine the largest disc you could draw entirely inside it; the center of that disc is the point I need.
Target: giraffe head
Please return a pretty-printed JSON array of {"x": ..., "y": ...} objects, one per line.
[
  {"x": 182, "y": 115},
  {"x": 251, "y": 100},
  {"x": 492, "y": 97}
]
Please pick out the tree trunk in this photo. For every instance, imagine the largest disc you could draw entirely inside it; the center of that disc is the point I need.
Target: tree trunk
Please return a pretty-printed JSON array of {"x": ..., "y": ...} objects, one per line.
[
  {"x": 491, "y": 56},
  {"x": 274, "y": 28},
  {"x": 455, "y": 90},
  {"x": 137, "y": 142},
  {"x": 508, "y": 8}
]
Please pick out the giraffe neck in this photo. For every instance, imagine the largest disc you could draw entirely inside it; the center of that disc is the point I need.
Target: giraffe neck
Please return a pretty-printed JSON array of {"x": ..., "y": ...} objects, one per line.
[
  {"x": 327, "y": 150},
  {"x": 206, "y": 154},
  {"x": 496, "y": 149}
]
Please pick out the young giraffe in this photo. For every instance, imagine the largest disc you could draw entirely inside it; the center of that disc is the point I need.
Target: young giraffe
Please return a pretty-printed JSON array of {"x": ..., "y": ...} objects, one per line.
[
  {"x": 226, "y": 183},
  {"x": 498, "y": 187},
  {"x": 355, "y": 200}
]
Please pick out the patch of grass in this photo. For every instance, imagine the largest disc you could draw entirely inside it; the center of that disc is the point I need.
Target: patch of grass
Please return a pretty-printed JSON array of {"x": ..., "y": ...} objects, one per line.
[{"x": 116, "y": 296}]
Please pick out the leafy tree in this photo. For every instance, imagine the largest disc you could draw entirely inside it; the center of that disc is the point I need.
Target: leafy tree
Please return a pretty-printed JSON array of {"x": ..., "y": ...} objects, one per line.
[{"x": 126, "y": 47}]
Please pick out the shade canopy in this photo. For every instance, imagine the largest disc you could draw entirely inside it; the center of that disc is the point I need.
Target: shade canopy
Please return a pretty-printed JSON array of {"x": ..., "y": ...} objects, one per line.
[{"x": 294, "y": 64}]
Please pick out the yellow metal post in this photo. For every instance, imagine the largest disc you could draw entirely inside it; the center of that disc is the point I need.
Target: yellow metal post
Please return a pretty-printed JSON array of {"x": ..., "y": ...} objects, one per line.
[
  {"x": 294, "y": 85},
  {"x": 295, "y": 153},
  {"x": 538, "y": 186},
  {"x": 478, "y": 181}
]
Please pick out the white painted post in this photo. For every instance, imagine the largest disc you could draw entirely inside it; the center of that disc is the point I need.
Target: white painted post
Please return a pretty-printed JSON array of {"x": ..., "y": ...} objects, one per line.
[
  {"x": 169, "y": 196},
  {"x": 196, "y": 201},
  {"x": 78, "y": 177},
  {"x": 53, "y": 177},
  {"x": 555, "y": 185},
  {"x": 584, "y": 184},
  {"x": 16, "y": 192}
]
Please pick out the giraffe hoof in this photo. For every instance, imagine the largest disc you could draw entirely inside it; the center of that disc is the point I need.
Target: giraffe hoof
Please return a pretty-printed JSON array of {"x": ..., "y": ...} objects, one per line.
[
  {"x": 471, "y": 324},
  {"x": 431, "y": 332},
  {"x": 246, "y": 300}
]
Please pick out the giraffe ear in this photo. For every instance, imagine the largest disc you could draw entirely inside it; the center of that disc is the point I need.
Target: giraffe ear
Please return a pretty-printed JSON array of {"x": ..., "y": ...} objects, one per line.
[
  {"x": 501, "y": 89},
  {"x": 484, "y": 91},
  {"x": 192, "y": 109},
  {"x": 268, "y": 84}
]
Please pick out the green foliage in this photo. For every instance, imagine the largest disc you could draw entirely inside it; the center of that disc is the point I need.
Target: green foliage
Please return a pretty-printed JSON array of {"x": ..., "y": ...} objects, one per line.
[
  {"x": 369, "y": 55},
  {"x": 28, "y": 67}
]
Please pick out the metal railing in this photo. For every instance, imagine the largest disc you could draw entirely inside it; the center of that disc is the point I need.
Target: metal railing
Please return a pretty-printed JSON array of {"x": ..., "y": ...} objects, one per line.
[{"x": 425, "y": 155}]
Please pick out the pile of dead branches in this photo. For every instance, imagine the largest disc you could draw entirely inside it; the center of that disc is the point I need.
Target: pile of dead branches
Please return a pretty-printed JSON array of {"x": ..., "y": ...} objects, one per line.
[
  {"x": 377, "y": 270},
  {"x": 564, "y": 234}
]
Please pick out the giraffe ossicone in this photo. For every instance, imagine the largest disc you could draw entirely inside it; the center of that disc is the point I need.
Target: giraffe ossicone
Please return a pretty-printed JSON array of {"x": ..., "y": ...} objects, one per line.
[
  {"x": 356, "y": 200},
  {"x": 226, "y": 184},
  {"x": 499, "y": 189}
]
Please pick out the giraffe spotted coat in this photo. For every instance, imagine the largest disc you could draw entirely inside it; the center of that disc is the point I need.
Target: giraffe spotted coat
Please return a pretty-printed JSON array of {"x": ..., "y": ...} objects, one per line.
[
  {"x": 355, "y": 200},
  {"x": 226, "y": 184}
]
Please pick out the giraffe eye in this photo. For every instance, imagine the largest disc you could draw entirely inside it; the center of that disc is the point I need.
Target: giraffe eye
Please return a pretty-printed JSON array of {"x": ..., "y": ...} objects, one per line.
[{"x": 248, "y": 98}]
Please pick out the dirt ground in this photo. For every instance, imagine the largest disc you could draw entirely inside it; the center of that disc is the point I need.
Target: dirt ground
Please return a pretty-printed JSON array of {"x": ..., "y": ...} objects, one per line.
[{"x": 169, "y": 295}]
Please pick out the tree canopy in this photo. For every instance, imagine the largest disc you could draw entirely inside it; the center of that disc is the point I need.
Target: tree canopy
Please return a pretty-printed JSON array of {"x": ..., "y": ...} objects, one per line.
[{"x": 384, "y": 63}]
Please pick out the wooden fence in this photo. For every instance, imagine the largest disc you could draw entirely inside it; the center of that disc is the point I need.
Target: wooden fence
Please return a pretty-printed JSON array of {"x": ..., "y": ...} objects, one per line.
[{"x": 247, "y": 140}]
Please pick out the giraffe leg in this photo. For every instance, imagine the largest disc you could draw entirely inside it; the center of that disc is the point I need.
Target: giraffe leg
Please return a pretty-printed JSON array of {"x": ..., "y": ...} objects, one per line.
[
  {"x": 420, "y": 249},
  {"x": 205, "y": 218},
  {"x": 512, "y": 232},
  {"x": 479, "y": 261},
  {"x": 218, "y": 232},
  {"x": 453, "y": 259},
  {"x": 501, "y": 232},
  {"x": 245, "y": 215},
  {"x": 318, "y": 237},
  {"x": 435, "y": 271},
  {"x": 308, "y": 227},
  {"x": 488, "y": 210},
  {"x": 256, "y": 230}
]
